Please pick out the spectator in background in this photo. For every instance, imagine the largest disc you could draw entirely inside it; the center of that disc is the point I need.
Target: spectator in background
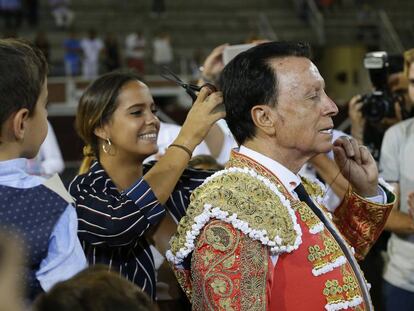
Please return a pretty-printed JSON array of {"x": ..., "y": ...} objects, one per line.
[
  {"x": 49, "y": 160},
  {"x": 135, "y": 51},
  {"x": 163, "y": 54},
  {"x": 111, "y": 58},
  {"x": 397, "y": 167},
  {"x": 95, "y": 289},
  {"x": 91, "y": 48},
  {"x": 42, "y": 42},
  {"x": 73, "y": 51},
  {"x": 368, "y": 131},
  {"x": 371, "y": 133},
  {"x": 62, "y": 13}
]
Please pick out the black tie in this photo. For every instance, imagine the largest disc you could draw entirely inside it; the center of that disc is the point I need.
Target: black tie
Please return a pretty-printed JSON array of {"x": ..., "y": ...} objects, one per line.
[{"x": 304, "y": 197}]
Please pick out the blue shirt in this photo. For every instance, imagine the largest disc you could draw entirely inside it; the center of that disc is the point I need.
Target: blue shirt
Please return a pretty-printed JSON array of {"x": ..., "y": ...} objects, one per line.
[
  {"x": 65, "y": 256},
  {"x": 73, "y": 49}
]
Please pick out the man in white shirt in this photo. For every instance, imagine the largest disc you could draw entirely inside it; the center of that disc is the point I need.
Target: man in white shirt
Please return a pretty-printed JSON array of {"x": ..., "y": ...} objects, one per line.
[
  {"x": 397, "y": 167},
  {"x": 91, "y": 47}
]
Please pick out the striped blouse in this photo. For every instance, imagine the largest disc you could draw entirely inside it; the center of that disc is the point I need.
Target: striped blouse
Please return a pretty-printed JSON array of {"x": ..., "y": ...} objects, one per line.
[{"x": 112, "y": 224}]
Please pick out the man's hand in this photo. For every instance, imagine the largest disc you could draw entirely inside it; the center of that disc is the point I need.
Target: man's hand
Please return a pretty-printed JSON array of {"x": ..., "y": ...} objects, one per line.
[
  {"x": 213, "y": 65},
  {"x": 357, "y": 166}
]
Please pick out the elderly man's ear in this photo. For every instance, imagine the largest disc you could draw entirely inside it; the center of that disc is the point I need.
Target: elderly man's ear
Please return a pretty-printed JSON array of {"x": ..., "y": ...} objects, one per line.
[{"x": 264, "y": 119}]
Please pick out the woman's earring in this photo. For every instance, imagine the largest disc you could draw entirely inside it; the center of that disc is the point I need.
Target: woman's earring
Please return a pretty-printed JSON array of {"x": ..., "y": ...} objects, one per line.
[{"x": 107, "y": 149}]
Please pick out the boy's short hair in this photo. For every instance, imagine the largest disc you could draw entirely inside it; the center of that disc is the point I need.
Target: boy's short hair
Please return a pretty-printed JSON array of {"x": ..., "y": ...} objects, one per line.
[
  {"x": 23, "y": 70},
  {"x": 95, "y": 289}
]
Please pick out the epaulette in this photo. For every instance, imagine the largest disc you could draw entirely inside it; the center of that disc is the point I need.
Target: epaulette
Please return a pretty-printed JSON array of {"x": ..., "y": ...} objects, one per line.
[{"x": 249, "y": 202}]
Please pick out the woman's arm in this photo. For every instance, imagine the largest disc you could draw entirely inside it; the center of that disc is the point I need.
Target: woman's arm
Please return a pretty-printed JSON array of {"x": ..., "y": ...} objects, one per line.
[{"x": 163, "y": 177}]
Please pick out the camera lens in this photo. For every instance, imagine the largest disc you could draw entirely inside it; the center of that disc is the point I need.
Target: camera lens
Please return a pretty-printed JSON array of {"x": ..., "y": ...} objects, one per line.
[{"x": 376, "y": 107}]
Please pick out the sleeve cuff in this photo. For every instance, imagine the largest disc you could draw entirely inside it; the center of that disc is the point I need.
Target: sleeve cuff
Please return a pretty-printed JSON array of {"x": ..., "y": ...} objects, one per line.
[{"x": 380, "y": 198}]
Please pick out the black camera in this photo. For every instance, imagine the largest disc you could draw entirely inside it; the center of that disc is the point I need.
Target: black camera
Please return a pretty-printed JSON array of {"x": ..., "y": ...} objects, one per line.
[{"x": 380, "y": 103}]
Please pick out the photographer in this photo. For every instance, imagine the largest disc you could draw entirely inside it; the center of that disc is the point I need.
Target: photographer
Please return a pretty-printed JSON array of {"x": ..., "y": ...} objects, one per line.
[
  {"x": 372, "y": 114},
  {"x": 398, "y": 168}
]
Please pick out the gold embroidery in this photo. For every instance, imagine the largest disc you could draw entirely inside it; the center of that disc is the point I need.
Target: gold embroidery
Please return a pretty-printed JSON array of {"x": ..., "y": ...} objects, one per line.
[
  {"x": 238, "y": 160},
  {"x": 312, "y": 188},
  {"x": 219, "y": 286},
  {"x": 211, "y": 276},
  {"x": 228, "y": 263},
  {"x": 306, "y": 214},
  {"x": 219, "y": 238},
  {"x": 226, "y": 304},
  {"x": 208, "y": 256},
  {"x": 360, "y": 221},
  {"x": 234, "y": 279},
  {"x": 327, "y": 254},
  {"x": 337, "y": 293},
  {"x": 253, "y": 268},
  {"x": 241, "y": 194}
]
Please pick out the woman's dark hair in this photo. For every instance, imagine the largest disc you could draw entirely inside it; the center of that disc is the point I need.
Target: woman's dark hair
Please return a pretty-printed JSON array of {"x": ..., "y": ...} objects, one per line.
[{"x": 96, "y": 107}]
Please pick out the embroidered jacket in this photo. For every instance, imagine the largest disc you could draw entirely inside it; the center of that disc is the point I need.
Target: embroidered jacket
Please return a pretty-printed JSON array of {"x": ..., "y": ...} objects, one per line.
[{"x": 242, "y": 216}]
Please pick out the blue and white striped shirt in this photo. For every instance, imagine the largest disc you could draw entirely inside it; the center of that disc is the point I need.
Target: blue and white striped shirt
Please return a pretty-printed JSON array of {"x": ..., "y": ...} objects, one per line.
[{"x": 112, "y": 224}]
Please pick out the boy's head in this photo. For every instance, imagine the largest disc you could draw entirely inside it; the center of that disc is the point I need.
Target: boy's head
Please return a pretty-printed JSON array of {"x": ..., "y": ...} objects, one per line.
[
  {"x": 23, "y": 99},
  {"x": 95, "y": 289}
]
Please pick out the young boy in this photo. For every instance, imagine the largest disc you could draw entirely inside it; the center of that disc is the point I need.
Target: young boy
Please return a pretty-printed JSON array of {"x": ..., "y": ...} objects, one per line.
[{"x": 38, "y": 211}]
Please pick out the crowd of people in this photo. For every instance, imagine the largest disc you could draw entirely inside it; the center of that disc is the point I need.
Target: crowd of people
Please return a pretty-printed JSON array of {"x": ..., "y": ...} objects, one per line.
[
  {"x": 241, "y": 228},
  {"x": 91, "y": 55}
]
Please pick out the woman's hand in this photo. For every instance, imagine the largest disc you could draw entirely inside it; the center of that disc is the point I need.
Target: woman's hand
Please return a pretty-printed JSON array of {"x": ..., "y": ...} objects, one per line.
[
  {"x": 207, "y": 110},
  {"x": 163, "y": 176}
]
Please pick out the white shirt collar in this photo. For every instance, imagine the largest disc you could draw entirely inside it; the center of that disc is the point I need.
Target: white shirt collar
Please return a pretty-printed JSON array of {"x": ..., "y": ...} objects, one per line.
[{"x": 289, "y": 179}]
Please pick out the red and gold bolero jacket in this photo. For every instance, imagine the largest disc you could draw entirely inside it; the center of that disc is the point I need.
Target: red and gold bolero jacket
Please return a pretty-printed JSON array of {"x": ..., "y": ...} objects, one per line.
[{"x": 242, "y": 216}]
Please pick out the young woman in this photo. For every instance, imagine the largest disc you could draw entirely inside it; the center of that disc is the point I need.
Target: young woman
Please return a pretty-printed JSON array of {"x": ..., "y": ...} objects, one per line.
[{"x": 117, "y": 204}]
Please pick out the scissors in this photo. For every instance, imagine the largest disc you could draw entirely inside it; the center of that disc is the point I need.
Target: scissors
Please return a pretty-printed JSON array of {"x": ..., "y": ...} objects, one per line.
[{"x": 191, "y": 89}]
